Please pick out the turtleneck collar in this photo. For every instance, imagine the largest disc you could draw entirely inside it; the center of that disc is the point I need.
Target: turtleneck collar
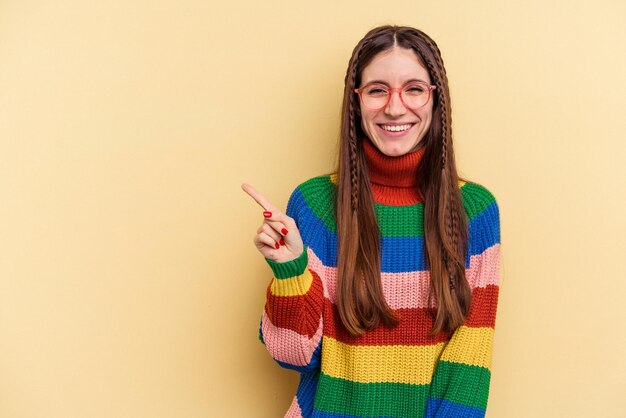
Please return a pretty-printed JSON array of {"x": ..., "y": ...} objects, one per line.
[{"x": 393, "y": 179}]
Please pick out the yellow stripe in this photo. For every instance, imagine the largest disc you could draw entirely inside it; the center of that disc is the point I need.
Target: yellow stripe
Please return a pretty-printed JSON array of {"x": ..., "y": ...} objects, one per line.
[
  {"x": 368, "y": 364},
  {"x": 470, "y": 346},
  {"x": 293, "y": 286},
  {"x": 462, "y": 183}
]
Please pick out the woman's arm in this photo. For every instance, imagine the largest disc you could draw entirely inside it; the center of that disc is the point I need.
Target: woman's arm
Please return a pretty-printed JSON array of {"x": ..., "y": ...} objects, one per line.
[
  {"x": 460, "y": 384},
  {"x": 291, "y": 324},
  {"x": 291, "y": 327}
]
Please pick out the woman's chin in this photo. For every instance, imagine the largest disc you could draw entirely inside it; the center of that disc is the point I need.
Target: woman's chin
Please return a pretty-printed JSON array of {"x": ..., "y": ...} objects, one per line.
[{"x": 397, "y": 149}]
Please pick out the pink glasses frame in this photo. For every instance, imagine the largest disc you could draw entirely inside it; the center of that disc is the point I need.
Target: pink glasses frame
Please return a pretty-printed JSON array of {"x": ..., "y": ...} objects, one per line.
[{"x": 399, "y": 90}]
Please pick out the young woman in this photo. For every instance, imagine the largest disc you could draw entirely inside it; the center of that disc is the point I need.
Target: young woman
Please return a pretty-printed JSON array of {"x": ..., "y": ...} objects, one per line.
[{"x": 386, "y": 273}]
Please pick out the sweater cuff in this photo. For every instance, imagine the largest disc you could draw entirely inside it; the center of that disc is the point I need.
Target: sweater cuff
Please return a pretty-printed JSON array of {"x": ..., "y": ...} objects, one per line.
[{"x": 287, "y": 269}]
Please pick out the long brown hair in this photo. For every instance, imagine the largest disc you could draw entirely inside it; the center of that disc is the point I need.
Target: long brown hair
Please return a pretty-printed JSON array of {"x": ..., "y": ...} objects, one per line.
[{"x": 360, "y": 300}]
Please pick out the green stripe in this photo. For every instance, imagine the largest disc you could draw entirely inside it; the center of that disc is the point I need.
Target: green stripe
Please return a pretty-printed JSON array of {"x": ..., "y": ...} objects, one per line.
[
  {"x": 288, "y": 269},
  {"x": 341, "y": 396},
  {"x": 400, "y": 221},
  {"x": 319, "y": 195},
  {"x": 475, "y": 199},
  {"x": 461, "y": 383}
]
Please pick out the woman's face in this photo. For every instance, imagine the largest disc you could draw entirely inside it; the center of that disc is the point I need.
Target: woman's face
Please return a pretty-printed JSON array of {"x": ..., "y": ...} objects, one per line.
[{"x": 395, "y": 129}]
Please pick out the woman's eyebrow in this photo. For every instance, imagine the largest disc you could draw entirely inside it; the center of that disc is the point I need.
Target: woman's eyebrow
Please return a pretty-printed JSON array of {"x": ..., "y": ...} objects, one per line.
[
  {"x": 377, "y": 82},
  {"x": 413, "y": 80}
]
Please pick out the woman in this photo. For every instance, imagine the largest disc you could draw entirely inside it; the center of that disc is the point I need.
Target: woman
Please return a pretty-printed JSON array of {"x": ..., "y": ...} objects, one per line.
[{"x": 386, "y": 273}]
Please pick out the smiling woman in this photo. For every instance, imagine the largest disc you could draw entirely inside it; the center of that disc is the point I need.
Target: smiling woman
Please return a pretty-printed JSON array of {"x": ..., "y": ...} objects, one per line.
[{"x": 386, "y": 273}]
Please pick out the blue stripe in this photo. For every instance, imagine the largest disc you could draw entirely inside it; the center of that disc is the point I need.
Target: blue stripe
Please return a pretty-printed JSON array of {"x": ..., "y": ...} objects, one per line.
[
  {"x": 399, "y": 254},
  {"x": 306, "y": 392},
  {"x": 321, "y": 414},
  {"x": 484, "y": 231},
  {"x": 441, "y": 408}
]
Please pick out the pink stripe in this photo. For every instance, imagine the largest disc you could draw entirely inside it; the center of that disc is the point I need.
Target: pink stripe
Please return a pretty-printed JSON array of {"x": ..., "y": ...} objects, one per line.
[
  {"x": 410, "y": 289},
  {"x": 294, "y": 410},
  {"x": 288, "y": 346},
  {"x": 484, "y": 268}
]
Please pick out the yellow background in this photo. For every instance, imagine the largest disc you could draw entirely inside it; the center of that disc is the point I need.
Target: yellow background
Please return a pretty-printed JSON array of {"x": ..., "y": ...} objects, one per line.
[{"x": 129, "y": 285}]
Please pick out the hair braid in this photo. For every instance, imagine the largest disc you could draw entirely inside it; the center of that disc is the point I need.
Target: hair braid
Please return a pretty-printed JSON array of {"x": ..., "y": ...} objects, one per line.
[
  {"x": 355, "y": 166},
  {"x": 355, "y": 172},
  {"x": 452, "y": 221}
]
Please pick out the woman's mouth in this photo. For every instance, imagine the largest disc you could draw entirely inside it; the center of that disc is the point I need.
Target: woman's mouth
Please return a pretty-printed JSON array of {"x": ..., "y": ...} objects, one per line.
[{"x": 396, "y": 128}]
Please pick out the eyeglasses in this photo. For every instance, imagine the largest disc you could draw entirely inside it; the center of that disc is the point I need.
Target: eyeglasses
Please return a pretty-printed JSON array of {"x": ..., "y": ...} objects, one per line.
[{"x": 414, "y": 95}]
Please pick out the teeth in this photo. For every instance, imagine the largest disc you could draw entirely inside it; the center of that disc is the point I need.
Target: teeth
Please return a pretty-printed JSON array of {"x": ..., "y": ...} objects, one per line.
[{"x": 395, "y": 128}]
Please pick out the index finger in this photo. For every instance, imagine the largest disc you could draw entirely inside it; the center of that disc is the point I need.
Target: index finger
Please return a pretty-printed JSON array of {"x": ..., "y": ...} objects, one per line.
[{"x": 258, "y": 197}]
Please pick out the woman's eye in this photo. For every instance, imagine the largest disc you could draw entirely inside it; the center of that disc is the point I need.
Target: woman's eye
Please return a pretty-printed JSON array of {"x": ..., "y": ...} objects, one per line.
[
  {"x": 417, "y": 89},
  {"x": 376, "y": 91}
]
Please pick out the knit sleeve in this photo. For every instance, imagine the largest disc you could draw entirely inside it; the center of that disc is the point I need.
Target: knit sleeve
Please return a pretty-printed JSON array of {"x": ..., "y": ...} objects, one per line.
[
  {"x": 460, "y": 384},
  {"x": 291, "y": 325}
]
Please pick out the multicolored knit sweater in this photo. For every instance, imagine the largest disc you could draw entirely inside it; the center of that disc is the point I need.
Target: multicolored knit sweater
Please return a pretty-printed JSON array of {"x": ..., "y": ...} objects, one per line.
[{"x": 386, "y": 372}]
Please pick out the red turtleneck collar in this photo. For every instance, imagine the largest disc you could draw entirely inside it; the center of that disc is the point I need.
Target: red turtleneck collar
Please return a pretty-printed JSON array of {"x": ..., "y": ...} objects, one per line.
[{"x": 393, "y": 179}]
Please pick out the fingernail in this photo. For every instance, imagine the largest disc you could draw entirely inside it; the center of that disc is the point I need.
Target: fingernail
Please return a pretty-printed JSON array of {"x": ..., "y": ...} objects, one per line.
[
  {"x": 284, "y": 231},
  {"x": 267, "y": 214},
  {"x": 277, "y": 246},
  {"x": 282, "y": 241}
]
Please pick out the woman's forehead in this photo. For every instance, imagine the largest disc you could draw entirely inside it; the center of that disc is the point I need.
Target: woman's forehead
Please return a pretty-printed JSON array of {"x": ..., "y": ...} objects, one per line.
[{"x": 395, "y": 65}]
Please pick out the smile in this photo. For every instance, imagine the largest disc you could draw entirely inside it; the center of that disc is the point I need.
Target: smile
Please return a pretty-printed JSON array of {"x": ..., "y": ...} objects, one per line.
[{"x": 396, "y": 128}]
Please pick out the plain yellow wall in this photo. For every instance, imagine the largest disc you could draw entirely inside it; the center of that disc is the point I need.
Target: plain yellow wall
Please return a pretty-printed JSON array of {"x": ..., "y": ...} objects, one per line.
[{"x": 129, "y": 285}]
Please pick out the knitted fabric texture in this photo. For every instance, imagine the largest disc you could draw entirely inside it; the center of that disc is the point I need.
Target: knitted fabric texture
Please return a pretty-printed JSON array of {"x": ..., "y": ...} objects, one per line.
[{"x": 389, "y": 371}]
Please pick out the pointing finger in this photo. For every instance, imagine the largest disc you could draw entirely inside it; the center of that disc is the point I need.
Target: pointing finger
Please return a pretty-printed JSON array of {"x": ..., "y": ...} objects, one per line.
[{"x": 258, "y": 197}]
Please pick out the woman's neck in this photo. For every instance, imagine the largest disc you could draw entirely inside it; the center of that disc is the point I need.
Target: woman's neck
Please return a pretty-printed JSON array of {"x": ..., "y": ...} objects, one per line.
[{"x": 393, "y": 179}]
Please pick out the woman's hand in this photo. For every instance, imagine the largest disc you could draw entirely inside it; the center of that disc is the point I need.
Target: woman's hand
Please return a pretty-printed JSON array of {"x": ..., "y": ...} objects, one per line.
[{"x": 278, "y": 237}]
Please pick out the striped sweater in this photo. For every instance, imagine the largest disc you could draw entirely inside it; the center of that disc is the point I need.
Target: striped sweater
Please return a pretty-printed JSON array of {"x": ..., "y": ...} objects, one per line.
[{"x": 389, "y": 371}]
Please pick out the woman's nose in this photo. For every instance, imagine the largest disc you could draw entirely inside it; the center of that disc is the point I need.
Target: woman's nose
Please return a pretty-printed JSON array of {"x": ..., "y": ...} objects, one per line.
[{"x": 395, "y": 107}]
